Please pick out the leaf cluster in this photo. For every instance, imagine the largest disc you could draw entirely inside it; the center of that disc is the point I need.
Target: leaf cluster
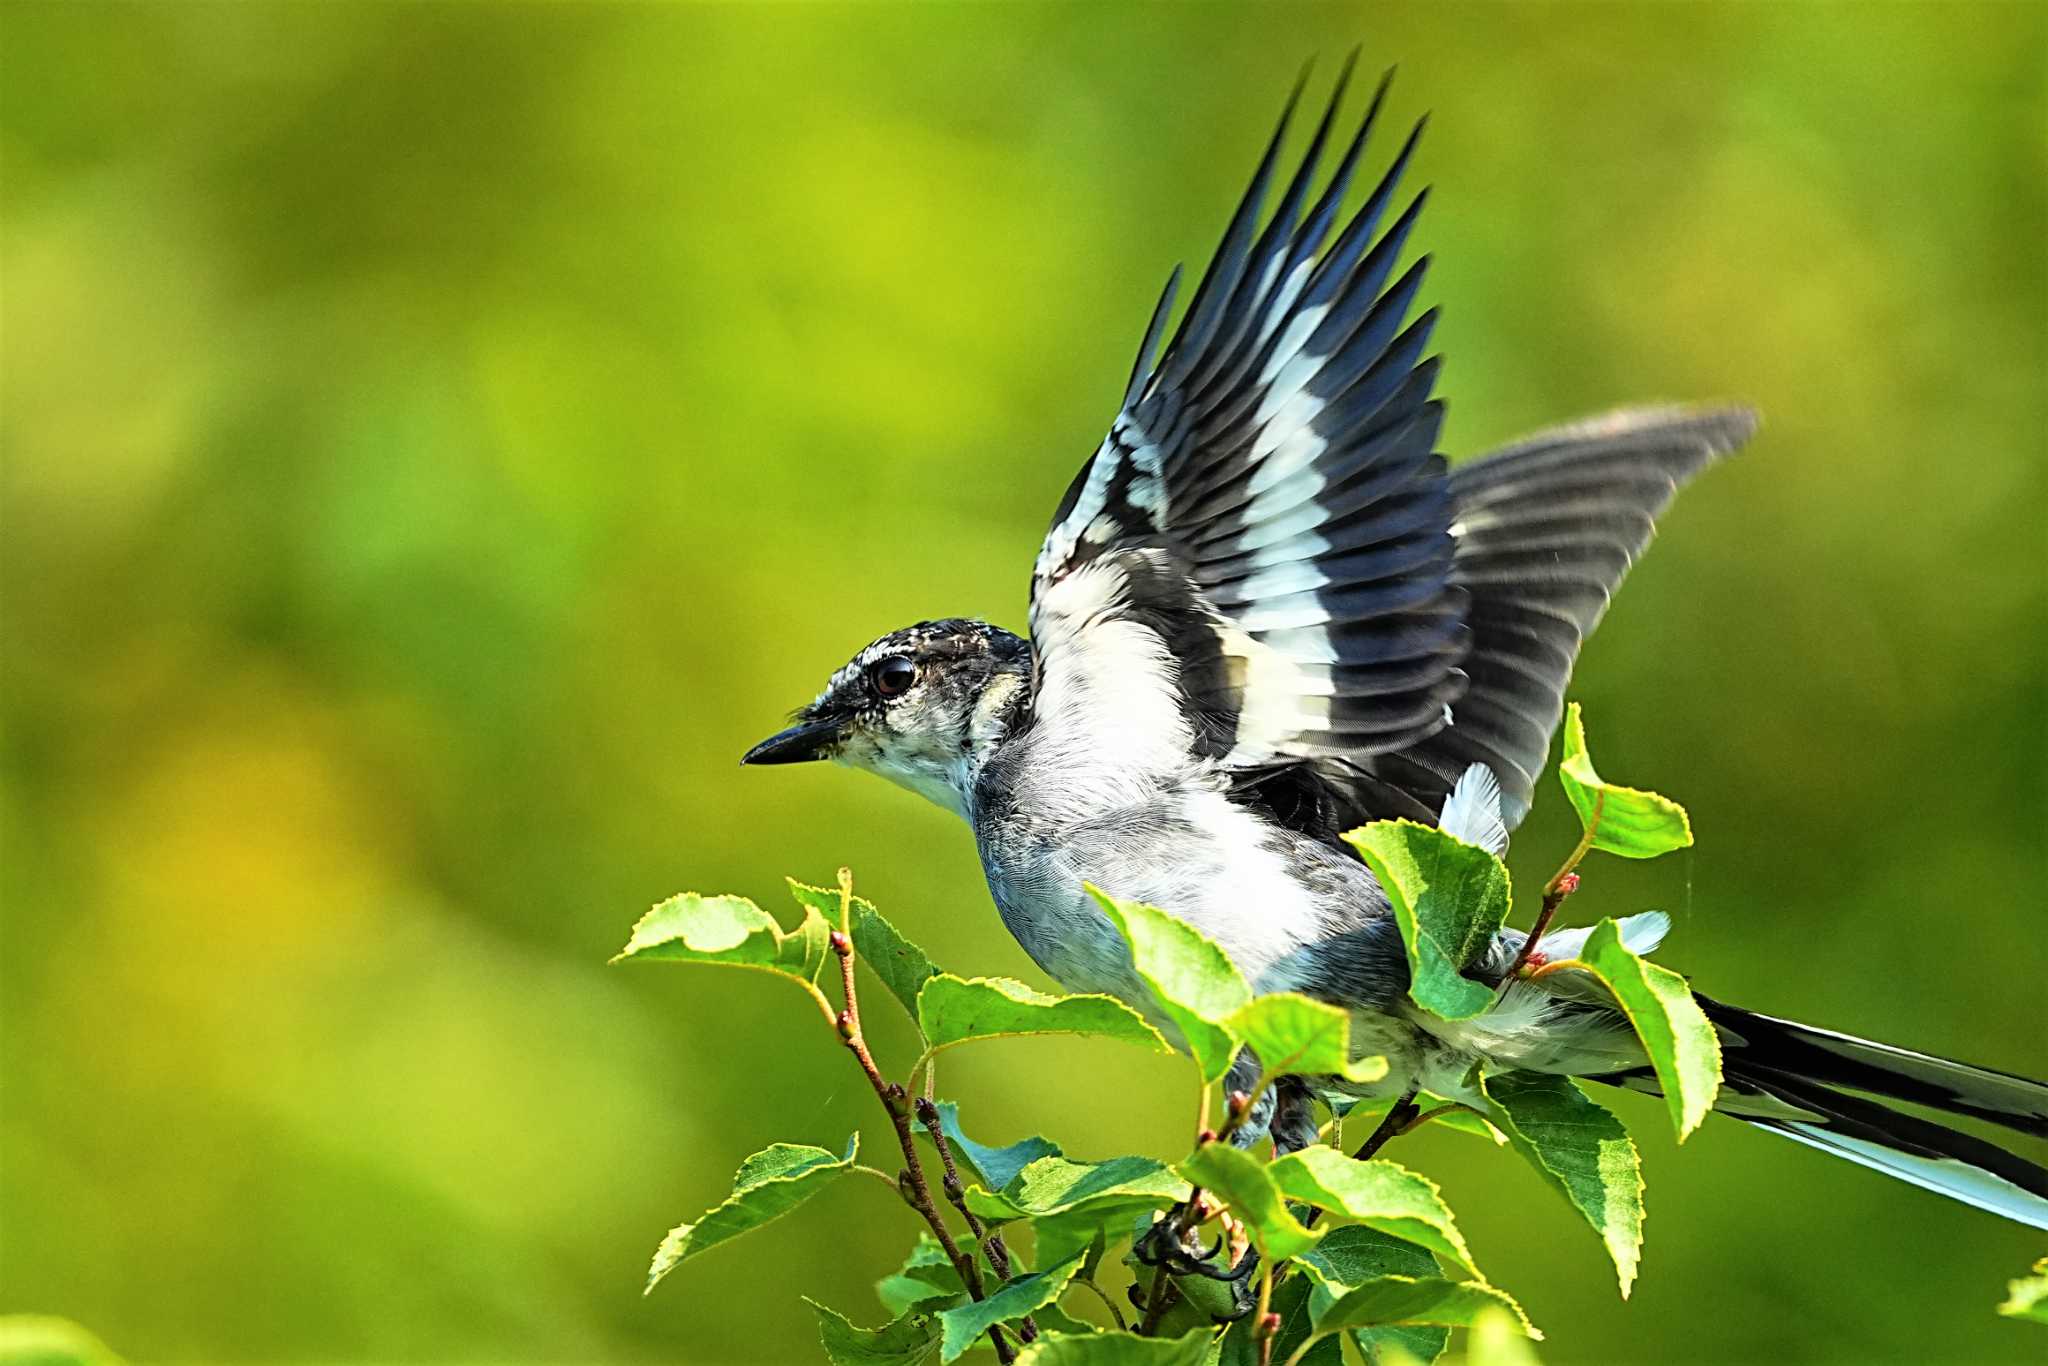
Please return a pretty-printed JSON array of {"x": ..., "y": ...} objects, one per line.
[{"x": 1027, "y": 1260}]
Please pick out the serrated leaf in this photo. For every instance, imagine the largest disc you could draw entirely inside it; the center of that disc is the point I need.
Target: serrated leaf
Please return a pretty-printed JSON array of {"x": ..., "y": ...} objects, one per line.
[
  {"x": 767, "y": 1186},
  {"x": 1241, "y": 1181},
  {"x": 1053, "y": 1185},
  {"x": 908, "y": 1340},
  {"x": 1021, "y": 1295},
  {"x": 1349, "y": 1257},
  {"x": 901, "y": 966},
  {"x": 730, "y": 930},
  {"x": 953, "y": 1010},
  {"x": 926, "y": 1280},
  {"x": 1389, "y": 1300},
  {"x": 1294, "y": 1036},
  {"x": 1624, "y": 820},
  {"x": 1110, "y": 1348},
  {"x": 1583, "y": 1151},
  {"x": 1189, "y": 975},
  {"x": 1459, "y": 1120},
  {"x": 995, "y": 1168},
  {"x": 1449, "y": 899},
  {"x": 2027, "y": 1297},
  {"x": 1683, "y": 1047},
  {"x": 1378, "y": 1194}
]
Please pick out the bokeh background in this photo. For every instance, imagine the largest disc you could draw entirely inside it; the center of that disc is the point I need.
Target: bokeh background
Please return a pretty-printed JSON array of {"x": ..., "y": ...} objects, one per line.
[{"x": 438, "y": 439}]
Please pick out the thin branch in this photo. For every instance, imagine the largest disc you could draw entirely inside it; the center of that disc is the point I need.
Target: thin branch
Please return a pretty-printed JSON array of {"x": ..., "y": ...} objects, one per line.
[
  {"x": 989, "y": 1240},
  {"x": 896, "y": 1101},
  {"x": 1562, "y": 884},
  {"x": 1107, "y": 1302}
]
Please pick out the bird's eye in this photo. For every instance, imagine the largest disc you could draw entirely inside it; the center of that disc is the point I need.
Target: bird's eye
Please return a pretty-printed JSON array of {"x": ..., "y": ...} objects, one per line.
[{"x": 893, "y": 676}]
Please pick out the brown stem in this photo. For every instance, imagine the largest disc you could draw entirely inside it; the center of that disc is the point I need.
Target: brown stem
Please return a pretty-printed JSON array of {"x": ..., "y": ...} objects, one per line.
[
  {"x": 989, "y": 1240},
  {"x": 896, "y": 1101},
  {"x": 1156, "y": 1303},
  {"x": 1562, "y": 884}
]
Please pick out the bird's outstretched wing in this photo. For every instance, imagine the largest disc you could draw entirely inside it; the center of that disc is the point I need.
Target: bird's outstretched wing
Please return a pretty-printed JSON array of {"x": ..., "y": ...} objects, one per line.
[{"x": 1267, "y": 565}]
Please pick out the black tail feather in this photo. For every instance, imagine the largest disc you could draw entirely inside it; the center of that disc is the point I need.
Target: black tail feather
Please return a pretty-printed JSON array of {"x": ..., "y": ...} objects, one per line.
[{"x": 1803, "y": 1083}]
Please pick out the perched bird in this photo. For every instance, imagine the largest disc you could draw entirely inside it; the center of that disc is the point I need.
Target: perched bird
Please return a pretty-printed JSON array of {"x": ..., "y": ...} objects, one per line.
[{"x": 1268, "y": 612}]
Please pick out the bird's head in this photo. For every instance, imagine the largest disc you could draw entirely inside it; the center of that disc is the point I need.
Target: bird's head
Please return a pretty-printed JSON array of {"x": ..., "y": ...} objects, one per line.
[{"x": 922, "y": 706}]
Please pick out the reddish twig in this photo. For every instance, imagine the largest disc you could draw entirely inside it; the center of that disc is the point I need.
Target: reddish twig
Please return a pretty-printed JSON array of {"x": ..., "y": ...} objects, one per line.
[{"x": 915, "y": 1189}]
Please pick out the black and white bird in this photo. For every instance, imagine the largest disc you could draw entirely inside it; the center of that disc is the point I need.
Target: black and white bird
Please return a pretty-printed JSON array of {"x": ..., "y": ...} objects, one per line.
[{"x": 1268, "y": 612}]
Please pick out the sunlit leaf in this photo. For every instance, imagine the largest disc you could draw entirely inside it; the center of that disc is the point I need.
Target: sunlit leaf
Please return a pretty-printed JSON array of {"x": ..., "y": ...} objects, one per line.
[
  {"x": 995, "y": 1168},
  {"x": 1294, "y": 1036},
  {"x": 1022, "y": 1295},
  {"x": 1117, "y": 1349},
  {"x": 1351, "y": 1256},
  {"x": 1241, "y": 1181},
  {"x": 730, "y": 930},
  {"x": 1054, "y": 1185},
  {"x": 1583, "y": 1151},
  {"x": 1417, "y": 1299},
  {"x": 1449, "y": 899},
  {"x": 1624, "y": 821},
  {"x": 1378, "y": 1194},
  {"x": 1190, "y": 976},
  {"x": 1458, "y": 1120},
  {"x": 906, "y": 1341},
  {"x": 768, "y": 1185},
  {"x": 898, "y": 964},
  {"x": 952, "y": 1010},
  {"x": 1682, "y": 1045},
  {"x": 2027, "y": 1297}
]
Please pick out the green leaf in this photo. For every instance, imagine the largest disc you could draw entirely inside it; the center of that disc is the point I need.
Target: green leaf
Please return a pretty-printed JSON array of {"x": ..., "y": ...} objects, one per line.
[
  {"x": 1117, "y": 1349},
  {"x": 905, "y": 1341},
  {"x": 1622, "y": 820},
  {"x": 730, "y": 930},
  {"x": 1018, "y": 1297},
  {"x": 1459, "y": 1120},
  {"x": 952, "y": 1010},
  {"x": 898, "y": 964},
  {"x": 1190, "y": 976},
  {"x": 1378, "y": 1194},
  {"x": 1683, "y": 1047},
  {"x": 1290, "y": 1301},
  {"x": 2027, "y": 1297},
  {"x": 1583, "y": 1151},
  {"x": 925, "y": 1281},
  {"x": 1417, "y": 1299},
  {"x": 1297, "y": 1037},
  {"x": 1241, "y": 1181},
  {"x": 768, "y": 1185},
  {"x": 1351, "y": 1256},
  {"x": 1449, "y": 899},
  {"x": 1053, "y": 1185},
  {"x": 994, "y": 1167}
]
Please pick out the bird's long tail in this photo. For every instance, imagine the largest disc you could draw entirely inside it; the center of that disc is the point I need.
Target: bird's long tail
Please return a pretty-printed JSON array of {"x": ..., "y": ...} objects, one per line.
[{"x": 1829, "y": 1091}]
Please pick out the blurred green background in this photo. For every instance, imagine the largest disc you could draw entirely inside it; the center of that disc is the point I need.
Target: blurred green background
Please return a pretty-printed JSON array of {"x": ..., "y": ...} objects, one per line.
[{"x": 439, "y": 439}]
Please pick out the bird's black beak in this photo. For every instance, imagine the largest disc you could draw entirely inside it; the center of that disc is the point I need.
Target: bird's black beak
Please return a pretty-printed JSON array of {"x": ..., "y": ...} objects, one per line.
[{"x": 801, "y": 743}]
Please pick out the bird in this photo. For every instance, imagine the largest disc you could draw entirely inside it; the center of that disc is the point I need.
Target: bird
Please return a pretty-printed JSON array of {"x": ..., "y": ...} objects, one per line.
[{"x": 1268, "y": 611}]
